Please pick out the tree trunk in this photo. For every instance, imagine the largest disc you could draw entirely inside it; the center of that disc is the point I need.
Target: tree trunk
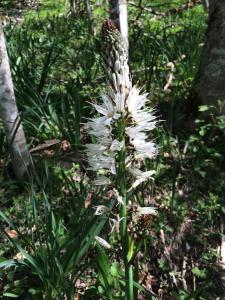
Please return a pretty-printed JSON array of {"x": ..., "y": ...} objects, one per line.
[
  {"x": 90, "y": 17},
  {"x": 73, "y": 5},
  {"x": 205, "y": 4},
  {"x": 9, "y": 114},
  {"x": 210, "y": 83},
  {"x": 222, "y": 253},
  {"x": 118, "y": 13}
]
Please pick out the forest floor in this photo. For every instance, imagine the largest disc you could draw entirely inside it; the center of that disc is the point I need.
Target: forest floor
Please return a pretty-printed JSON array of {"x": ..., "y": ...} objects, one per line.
[{"x": 57, "y": 73}]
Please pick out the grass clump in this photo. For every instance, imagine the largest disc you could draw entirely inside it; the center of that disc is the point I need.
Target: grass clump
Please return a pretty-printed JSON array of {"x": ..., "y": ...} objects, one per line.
[{"x": 49, "y": 224}]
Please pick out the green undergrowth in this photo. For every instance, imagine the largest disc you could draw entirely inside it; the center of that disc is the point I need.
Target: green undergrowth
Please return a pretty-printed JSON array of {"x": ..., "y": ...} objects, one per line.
[
  {"x": 47, "y": 9},
  {"x": 57, "y": 72}
]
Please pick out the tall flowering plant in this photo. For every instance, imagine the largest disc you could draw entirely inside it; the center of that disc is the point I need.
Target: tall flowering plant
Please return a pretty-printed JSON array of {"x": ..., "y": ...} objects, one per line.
[{"x": 122, "y": 137}]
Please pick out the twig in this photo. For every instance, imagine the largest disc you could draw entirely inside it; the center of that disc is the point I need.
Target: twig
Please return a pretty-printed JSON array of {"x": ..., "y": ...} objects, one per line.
[
  {"x": 45, "y": 145},
  {"x": 169, "y": 12},
  {"x": 149, "y": 10},
  {"x": 180, "y": 236},
  {"x": 222, "y": 253},
  {"x": 194, "y": 278},
  {"x": 183, "y": 273},
  {"x": 170, "y": 76}
]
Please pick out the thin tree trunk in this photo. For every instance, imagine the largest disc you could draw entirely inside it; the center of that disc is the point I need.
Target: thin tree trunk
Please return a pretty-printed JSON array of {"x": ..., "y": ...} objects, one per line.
[
  {"x": 205, "y": 4},
  {"x": 90, "y": 16},
  {"x": 73, "y": 4},
  {"x": 10, "y": 116},
  {"x": 222, "y": 253},
  {"x": 118, "y": 13},
  {"x": 210, "y": 84}
]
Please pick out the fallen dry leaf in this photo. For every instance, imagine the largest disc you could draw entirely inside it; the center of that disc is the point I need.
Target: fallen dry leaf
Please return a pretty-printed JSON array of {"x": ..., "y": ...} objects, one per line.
[
  {"x": 65, "y": 146},
  {"x": 11, "y": 233},
  {"x": 88, "y": 200},
  {"x": 18, "y": 256}
]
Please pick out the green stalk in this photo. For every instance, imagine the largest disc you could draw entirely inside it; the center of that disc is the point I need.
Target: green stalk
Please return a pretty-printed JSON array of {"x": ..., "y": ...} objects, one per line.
[{"x": 123, "y": 211}]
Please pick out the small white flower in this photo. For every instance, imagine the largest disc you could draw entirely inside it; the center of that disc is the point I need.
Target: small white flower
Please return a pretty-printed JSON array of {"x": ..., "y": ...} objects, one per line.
[
  {"x": 120, "y": 102},
  {"x": 101, "y": 210},
  {"x": 135, "y": 100},
  {"x": 144, "y": 149},
  {"x": 101, "y": 121},
  {"x": 144, "y": 118},
  {"x": 106, "y": 108},
  {"x": 108, "y": 103},
  {"x": 136, "y": 133},
  {"x": 102, "y": 242},
  {"x": 99, "y": 129},
  {"x": 118, "y": 197},
  {"x": 140, "y": 177},
  {"x": 128, "y": 161},
  {"x": 102, "y": 109},
  {"x": 140, "y": 174},
  {"x": 136, "y": 183},
  {"x": 115, "y": 223},
  {"x": 116, "y": 146},
  {"x": 95, "y": 148},
  {"x": 147, "y": 211},
  {"x": 101, "y": 180},
  {"x": 116, "y": 116},
  {"x": 105, "y": 140},
  {"x": 99, "y": 162}
]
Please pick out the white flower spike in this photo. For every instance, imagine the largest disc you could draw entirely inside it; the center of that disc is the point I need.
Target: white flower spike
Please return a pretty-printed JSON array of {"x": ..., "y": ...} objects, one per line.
[{"x": 120, "y": 99}]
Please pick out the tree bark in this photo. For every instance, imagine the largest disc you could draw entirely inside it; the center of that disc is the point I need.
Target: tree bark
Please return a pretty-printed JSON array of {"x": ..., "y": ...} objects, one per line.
[
  {"x": 73, "y": 4},
  {"x": 118, "y": 13},
  {"x": 205, "y": 4},
  {"x": 10, "y": 116},
  {"x": 210, "y": 83},
  {"x": 222, "y": 253},
  {"x": 90, "y": 17}
]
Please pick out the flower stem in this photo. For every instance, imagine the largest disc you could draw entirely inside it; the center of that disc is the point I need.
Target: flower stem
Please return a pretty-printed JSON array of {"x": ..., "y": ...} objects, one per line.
[{"x": 123, "y": 211}]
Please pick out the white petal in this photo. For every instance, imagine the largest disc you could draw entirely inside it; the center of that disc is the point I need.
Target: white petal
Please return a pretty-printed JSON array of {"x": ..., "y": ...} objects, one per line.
[
  {"x": 144, "y": 149},
  {"x": 136, "y": 133},
  {"x": 114, "y": 80},
  {"x": 147, "y": 211},
  {"x": 135, "y": 100},
  {"x": 101, "y": 162},
  {"x": 101, "y": 109},
  {"x": 140, "y": 174},
  {"x": 116, "y": 116},
  {"x": 95, "y": 148},
  {"x": 108, "y": 103},
  {"x": 102, "y": 242},
  {"x": 120, "y": 102},
  {"x": 101, "y": 210},
  {"x": 115, "y": 223},
  {"x": 116, "y": 146},
  {"x": 102, "y": 180},
  {"x": 113, "y": 169},
  {"x": 140, "y": 177},
  {"x": 100, "y": 130},
  {"x": 144, "y": 119},
  {"x": 101, "y": 121},
  {"x": 136, "y": 183},
  {"x": 118, "y": 197}
]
